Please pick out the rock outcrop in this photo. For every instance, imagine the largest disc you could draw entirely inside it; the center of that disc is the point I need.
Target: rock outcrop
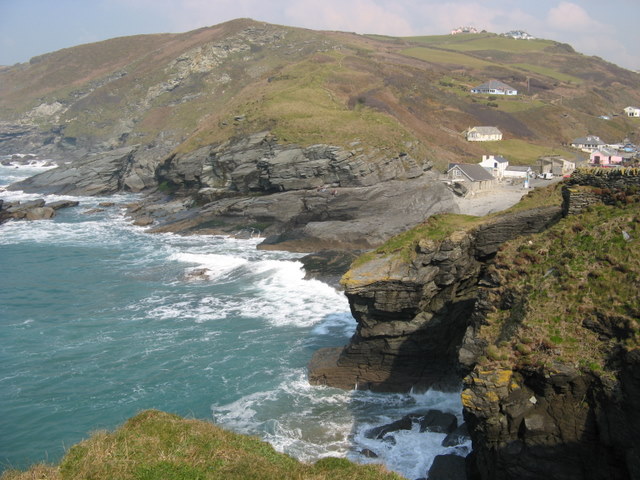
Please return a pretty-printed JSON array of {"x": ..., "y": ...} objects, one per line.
[
  {"x": 413, "y": 316},
  {"x": 555, "y": 422},
  {"x": 32, "y": 210},
  {"x": 303, "y": 199},
  {"x": 97, "y": 174}
]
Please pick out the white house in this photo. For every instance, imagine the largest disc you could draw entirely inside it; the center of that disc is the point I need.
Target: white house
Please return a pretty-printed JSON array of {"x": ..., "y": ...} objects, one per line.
[
  {"x": 632, "y": 111},
  {"x": 483, "y": 134},
  {"x": 495, "y": 87},
  {"x": 495, "y": 165},
  {"x": 518, "y": 171},
  {"x": 588, "y": 144}
]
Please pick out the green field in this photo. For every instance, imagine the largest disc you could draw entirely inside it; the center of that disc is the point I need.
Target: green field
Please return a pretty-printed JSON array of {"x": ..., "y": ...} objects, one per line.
[
  {"x": 443, "y": 56},
  {"x": 548, "y": 72},
  {"x": 484, "y": 41}
]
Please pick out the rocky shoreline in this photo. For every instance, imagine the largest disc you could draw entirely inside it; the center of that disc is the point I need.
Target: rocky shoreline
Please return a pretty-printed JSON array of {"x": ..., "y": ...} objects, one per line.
[
  {"x": 417, "y": 320},
  {"x": 300, "y": 199}
]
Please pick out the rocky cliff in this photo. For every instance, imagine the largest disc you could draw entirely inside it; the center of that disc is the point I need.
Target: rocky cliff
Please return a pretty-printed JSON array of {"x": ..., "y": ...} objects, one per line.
[
  {"x": 542, "y": 327},
  {"x": 405, "y": 307}
]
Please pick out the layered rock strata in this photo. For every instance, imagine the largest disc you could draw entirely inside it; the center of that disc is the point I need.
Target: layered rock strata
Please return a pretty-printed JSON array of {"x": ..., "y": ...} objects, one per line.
[
  {"x": 303, "y": 199},
  {"x": 414, "y": 316}
]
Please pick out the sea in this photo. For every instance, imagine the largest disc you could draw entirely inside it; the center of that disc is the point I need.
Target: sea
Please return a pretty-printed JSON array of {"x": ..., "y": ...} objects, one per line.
[{"x": 100, "y": 320}]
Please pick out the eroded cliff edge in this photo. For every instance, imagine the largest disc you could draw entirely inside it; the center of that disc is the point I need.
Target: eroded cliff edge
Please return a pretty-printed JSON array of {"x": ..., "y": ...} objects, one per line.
[{"x": 541, "y": 327}]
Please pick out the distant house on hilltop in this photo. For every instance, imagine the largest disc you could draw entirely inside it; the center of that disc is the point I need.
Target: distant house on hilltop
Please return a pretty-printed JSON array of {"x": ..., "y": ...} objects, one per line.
[
  {"x": 518, "y": 35},
  {"x": 495, "y": 87},
  {"x": 473, "y": 176},
  {"x": 459, "y": 30},
  {"x": 483, "y": 134},
  {"x": 588, "y": 144},
  {"x": 632, "y": 111}
]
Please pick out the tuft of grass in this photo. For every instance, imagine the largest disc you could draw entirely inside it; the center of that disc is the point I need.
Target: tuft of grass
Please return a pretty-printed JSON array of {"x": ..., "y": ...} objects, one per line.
[{"x": 157, "y": 445}]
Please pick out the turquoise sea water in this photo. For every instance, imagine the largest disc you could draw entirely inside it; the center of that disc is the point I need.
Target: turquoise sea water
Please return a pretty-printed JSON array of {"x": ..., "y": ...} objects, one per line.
[{"x": 100, "y": 320}]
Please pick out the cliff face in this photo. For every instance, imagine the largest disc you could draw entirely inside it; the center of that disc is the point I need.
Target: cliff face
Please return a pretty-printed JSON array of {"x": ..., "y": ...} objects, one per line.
[
  {"x": 542, "y": 328},
  {"x": 414, "y": 316},
  {"x": 556, "y": 422}
]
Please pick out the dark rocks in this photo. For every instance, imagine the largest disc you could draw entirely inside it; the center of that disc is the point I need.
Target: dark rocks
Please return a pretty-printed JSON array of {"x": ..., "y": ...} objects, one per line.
[
  {"x": 438, "y": 422},
  {"x": 57, "y": 205},
  {"x": 448, "y": 467},
  {"x": 434, "y": 421},
  {"x": 457, "y": 437},
  {"x": 328, "y": 265}
]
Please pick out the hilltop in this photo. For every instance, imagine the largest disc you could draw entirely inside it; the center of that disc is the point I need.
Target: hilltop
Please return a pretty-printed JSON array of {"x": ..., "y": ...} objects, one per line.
[
  {"x": 297, "y": 134},
  {"x": 179, "y": 92}
]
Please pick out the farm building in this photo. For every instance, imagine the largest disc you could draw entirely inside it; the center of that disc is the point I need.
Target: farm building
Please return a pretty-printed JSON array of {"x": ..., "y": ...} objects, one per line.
[{"x": 632, "y": 111}]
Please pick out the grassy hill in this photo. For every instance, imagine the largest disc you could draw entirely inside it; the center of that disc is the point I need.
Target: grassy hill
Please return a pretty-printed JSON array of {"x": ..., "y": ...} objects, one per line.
[
  {"x": 156, "y": 445},
  {"x": 383, "y": 93}
]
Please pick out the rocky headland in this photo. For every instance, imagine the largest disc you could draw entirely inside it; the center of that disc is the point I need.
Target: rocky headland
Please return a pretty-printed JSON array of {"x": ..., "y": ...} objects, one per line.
[
  {"x": 302, "y": 199},
  {"x": 519, "y": 307}
]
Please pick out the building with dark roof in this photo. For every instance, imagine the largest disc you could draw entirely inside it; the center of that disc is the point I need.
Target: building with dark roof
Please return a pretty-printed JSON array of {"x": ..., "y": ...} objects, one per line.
[{"x": 474, "y": 176}]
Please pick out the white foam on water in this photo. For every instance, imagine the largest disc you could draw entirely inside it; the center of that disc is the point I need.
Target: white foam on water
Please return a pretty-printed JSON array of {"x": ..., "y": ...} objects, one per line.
[
  {"x": 311, "y": 422},
  {"x": 407, "y": 452},
  {"x": 215, "y": 266},
  {"x": 284, "y": 297},
  {"x": 303, "y": 421}
]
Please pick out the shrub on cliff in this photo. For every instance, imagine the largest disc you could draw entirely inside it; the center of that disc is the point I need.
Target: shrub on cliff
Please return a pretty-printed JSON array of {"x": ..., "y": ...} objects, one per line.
[{"x": 154, "y": 445}]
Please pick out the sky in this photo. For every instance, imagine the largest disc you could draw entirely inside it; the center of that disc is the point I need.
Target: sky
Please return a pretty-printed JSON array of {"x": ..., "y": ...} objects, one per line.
[{"x": 609, "y": 29}]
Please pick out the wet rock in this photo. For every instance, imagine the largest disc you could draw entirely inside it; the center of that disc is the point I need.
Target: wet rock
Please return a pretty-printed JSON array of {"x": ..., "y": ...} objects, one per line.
[
  {"x": 40, "y": 213},
  {"x": 365, "y": 452},
  {"x": 438, "y": 422},
  {"x": 448, "y": 467},
  {"x": 457, "y": 437},
  {"x": 143, "y": 221},
  {"x": 63, "y": 204}
]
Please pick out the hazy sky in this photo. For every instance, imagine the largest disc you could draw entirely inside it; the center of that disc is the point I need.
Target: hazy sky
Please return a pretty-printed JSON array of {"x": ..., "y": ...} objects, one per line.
[{"x": 609, "y": 29}]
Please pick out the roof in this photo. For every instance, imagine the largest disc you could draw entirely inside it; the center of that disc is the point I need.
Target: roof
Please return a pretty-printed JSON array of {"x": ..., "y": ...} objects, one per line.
[
  {"x": 518, "y": 168},
  {"x": 588, "y": 140},
  {"x": 494, "y": 84},
  {"x": 610, "y": 152},
  {"x": 486, "y": 130},
  {"x": 499, "y": 158},
  {"x": 473, "y": 172}
]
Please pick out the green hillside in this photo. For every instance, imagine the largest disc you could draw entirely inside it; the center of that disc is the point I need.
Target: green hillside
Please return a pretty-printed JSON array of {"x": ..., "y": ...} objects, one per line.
[{"x": 397, "y": 94}]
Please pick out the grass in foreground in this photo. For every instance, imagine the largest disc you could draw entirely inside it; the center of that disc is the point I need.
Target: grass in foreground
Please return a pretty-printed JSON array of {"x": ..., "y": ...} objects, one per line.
[{"x": 155, "y": 445}]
